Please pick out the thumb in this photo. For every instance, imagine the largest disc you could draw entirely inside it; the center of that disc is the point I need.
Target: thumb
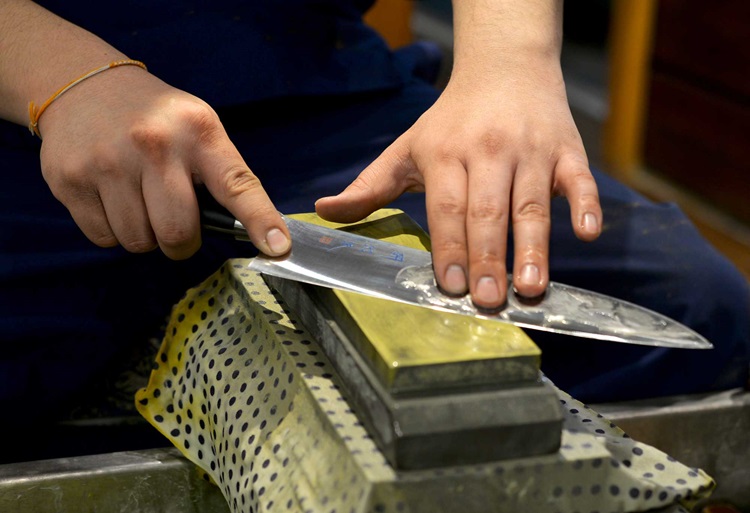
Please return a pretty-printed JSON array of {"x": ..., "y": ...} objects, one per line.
[{"x": 384, "y": 180}]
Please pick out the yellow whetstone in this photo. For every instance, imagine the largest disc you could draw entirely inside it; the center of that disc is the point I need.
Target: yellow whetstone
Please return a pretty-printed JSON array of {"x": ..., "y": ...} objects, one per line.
[{"x": 410, "y": 346}]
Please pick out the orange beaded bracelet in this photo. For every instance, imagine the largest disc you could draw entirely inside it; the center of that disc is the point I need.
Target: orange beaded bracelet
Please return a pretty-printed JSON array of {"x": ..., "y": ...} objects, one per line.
[{"x": 35, "y": 114}]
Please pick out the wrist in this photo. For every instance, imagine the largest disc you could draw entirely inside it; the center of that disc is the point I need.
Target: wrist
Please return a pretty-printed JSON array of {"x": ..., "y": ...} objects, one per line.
[
  {"x": 507, "y": 34},
  {"x": 94, "y": 94},
  {"x": 509, "y": 71},
  {"x": 36, "y": 111}
]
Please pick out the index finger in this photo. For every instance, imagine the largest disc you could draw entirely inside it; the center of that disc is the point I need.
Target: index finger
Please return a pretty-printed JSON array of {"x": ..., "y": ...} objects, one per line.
[{"x": 232, "y": 183}]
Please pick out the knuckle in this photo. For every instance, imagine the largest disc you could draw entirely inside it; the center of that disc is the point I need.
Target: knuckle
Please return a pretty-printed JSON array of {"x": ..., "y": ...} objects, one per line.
[
  {"x": 589, "y": 199},
  {"x": 531, "y": 249},
  {"x": 237, "y": 180},
  {"x": 441, "y": 155},
  {"x": 102, "y": 237},
  {"x": 66, "y": 175},
  {"x": 71, "y": 181},
  {"x": 577, "y": 159},
  {"x": 174, "y": 235},
  {"x": 138, "y": 244},
  {"x": 575, "y": 166},
  {"x": 105, "y": 163},
  {"x": 493, "y": 142},
  {"x": 486, "y": 210},
  {"x": 574, "y": 179},
  {"x": 537, "y": 143},
  {"x": 572, "y": 159},
  {"x": 199, "y": 114},
  {"x": 450, "y": 207},
  {"x": 448, "y": 246},
  {"x": 74, "y": 188},
  {"x": 154, "y": 139},
  {"x": 531, "y": 210},
  {"x": 203, "y": 120},
  {"x": 485, "y": 257},
  {"x": 94, "y": 226},
  {"x": 581, "y": 175},
  {"x": 362, "y": 183}
]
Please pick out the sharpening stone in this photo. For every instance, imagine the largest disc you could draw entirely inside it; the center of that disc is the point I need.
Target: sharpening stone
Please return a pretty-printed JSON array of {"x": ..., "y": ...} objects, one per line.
[{"x": 434, "y": 389}]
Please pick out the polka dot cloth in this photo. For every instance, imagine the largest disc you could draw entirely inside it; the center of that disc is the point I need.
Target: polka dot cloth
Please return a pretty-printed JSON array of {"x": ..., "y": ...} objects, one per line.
[{"x": 242, "y": 390}]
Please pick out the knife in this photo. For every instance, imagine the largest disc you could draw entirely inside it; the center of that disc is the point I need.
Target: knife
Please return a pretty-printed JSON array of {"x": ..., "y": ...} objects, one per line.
[{"x": 347, "y": 261}]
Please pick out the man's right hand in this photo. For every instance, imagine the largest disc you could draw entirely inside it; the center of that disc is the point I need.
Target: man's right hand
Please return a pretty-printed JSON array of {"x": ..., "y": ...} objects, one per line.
[{"x": 122, "y": 151}]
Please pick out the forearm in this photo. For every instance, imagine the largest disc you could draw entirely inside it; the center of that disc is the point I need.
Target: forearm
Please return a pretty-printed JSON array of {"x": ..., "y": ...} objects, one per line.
[
  {"x": 497, "y": 36},
  {"x": 39, "y": 53}
]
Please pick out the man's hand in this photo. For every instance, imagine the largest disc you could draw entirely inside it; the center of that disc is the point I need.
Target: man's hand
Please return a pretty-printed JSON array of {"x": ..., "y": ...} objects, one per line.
[
  {"x": 122, "y": 151},
  {"x": 498, "y": 143}
]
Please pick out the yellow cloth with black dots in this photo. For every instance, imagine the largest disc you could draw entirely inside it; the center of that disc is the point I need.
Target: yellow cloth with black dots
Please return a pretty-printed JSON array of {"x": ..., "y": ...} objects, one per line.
[{"x": 242, "y": 390}]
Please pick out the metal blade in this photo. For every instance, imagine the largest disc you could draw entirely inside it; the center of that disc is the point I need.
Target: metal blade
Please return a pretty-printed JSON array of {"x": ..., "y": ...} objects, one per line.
[{"x": 347, "y": 261}]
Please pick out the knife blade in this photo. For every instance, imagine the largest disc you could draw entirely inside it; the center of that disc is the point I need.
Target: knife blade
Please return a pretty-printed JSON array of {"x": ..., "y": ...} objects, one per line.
[{"x": 348, "y": 261}]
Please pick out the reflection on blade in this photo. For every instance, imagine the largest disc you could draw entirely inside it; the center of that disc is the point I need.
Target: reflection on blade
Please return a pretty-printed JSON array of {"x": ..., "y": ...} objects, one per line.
[{"x": 342, "y": 260}]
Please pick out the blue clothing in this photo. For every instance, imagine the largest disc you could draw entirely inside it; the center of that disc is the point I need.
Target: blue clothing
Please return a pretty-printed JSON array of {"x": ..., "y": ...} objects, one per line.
[
  {"x": 229, "y": 52},
  {"x": 70, "y": 309}
]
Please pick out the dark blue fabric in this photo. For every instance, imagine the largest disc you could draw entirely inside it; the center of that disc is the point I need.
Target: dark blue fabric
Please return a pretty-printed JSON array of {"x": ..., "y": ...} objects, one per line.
[
  {"x": 70, "y": 309},
  {"x": 231, "y": 51}
]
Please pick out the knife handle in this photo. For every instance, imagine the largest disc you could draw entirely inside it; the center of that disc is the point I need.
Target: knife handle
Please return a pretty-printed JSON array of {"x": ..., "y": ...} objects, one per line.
[{"x": 216, "y": 218}]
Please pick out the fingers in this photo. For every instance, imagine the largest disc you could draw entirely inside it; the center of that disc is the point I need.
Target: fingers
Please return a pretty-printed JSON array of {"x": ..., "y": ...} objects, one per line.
[
  {"x": 202, "y": 150},
  {"x": 531, "y": 227},
  {"x": 108, "y": 216},
  {"x": 88, "y": 213},
  {"x": 534, "y": 183},
  {"x": 468, "y": 215},
  {"x": 140, "y": 217},
  {"x": 171, "y": 211},
  {"x": 446, "y": 203},
  {"x": 233, "y": 185},
  {"x": 490, "y": 182},
  {"x": 206, "y": 151},
  {"x": 469, "y": 209},
  {"x": 575, "y": 182},
  {"x": 128, "y": 218}
]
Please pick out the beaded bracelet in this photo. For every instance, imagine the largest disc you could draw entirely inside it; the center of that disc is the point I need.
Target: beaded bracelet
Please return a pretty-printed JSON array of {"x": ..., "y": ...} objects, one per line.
[{"x": 35, "y": 114}]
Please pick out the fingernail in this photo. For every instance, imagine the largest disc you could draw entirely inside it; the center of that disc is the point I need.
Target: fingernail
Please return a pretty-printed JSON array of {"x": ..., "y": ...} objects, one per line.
[
  {"x": 455, "y": 280},
  {"x": 487, "y": 291},
  {"x": 590, "y": 223},
  {"x": 277, "y": 242},
  {"x": 529, "y": 275}
]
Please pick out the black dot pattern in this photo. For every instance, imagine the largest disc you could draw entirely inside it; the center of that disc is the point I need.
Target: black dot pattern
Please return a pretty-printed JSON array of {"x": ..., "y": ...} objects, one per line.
[{"x": 241, "y": 389}]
